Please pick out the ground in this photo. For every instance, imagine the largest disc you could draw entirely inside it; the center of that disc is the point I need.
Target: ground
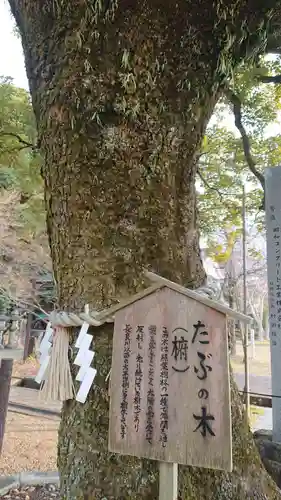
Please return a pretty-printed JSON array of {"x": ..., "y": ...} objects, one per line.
[
  {"x": 30, "y": 441},
  {"x": 29, "y": 444},
  {"x": 259, "y": 364},
  {"x": 25, "y": 369},
  {"x": 260, "y": 379},
  {"x": 48, "y": 492}
]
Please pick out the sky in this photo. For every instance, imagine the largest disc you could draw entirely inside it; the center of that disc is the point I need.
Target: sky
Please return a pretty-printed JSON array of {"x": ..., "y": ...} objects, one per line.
[{"x": 11, "y": 54}]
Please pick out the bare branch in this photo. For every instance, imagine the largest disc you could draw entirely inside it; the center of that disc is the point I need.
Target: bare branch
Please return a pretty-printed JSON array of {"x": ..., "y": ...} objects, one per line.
[
  {"x": 237, "y": 105},
  {"x": 253, "y": 271},
  {"x": 24, "y": 143},
  {"x": 17, "y": 148},
  {"x": 27, "y": 304}
]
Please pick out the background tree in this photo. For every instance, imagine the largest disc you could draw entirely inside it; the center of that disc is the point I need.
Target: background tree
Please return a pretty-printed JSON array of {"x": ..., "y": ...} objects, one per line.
[
  {"x": 223, "y": 167},
  {"x": 225, "y": 248},
  {"x": 23, "y": 241},
  {"x": 122, "y": 93}
]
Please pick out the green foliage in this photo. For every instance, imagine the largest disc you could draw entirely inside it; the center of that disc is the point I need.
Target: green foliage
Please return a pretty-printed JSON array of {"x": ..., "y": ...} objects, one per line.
[
  {"x": 20, "y": 163},
  {"x": 16, "y": 117},
  {"x": 23, "y": 233},
  {"x": 222, "y": 165},
  {"x": 7, "y": 177},
  {"x": 4, "y": 303},
  {"x": 222, "y": 251}
]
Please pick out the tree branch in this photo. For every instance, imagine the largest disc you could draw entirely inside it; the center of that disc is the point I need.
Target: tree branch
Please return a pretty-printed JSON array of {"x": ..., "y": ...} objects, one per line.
[
  {"x": 270, "y": 79},
  {"x": 249, "y": 272},
  {"x": 28, "y": 304},
  {"x": 273, "y": 45},
  {"x": 21, "y": 140},
  {"x": 237, "y": 105},
  {"x": 205, "y": 182}
]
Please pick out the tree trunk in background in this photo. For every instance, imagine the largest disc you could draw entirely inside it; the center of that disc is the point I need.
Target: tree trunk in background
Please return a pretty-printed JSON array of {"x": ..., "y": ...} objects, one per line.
[
  {"x": 257, "y": 314},
  {"x": 26, "y": 349},
  {"x": 122, "y": 92},
  {"x": 231, "y": 325},
  {"x": 260, "y": 332}
]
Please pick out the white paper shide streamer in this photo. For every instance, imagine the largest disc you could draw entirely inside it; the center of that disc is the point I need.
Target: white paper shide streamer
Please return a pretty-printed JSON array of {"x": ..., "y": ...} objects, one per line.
[
  {"x": 84, "y": 358},
  {"x": 44, "y": 349}
]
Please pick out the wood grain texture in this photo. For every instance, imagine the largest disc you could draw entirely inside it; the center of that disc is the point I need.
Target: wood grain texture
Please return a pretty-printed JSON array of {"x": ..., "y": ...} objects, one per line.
[
  {"x": 213, "y": 304},
  {"x": 168, "y": 481},
  {"x": 170, "y": 309}
]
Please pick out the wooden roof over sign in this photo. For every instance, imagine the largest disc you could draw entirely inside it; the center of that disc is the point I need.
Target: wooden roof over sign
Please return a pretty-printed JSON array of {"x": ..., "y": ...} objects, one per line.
[
  {"x": 158, "y": 283},
  {"x": 214, "y": 304}
]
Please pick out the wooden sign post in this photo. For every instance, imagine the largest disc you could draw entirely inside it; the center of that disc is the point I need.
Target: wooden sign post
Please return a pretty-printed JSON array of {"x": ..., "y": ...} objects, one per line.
[
  {"x": 8, "y": 354},
  {"x": 273, "y": 238},
  {"x": 169, "y": 390},
  {"x": 168, "y": 481}
]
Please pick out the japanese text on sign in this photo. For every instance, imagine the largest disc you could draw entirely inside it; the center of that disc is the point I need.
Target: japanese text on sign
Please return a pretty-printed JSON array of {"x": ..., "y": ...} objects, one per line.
[{"x": 170, "y": 383}]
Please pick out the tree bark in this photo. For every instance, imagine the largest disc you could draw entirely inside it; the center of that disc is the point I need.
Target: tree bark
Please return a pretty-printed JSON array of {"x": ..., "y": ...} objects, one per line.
[
  {"x": 231, "y": 323},
  {"x": 122, "y": 92},
  {"x": 27, "y": 337}
]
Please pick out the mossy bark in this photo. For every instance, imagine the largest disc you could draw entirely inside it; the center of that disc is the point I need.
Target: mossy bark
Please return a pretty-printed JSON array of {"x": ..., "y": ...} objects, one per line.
[{"x": 122, "y": 92}]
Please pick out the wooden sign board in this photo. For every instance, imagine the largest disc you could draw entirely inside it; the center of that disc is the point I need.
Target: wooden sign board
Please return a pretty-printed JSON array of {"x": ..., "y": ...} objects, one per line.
[{"x": 169, "y": 391}]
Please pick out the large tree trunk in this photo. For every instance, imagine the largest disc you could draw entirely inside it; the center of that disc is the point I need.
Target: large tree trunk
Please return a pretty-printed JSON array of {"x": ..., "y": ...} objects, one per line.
[{"x": 122, "y": 92}]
